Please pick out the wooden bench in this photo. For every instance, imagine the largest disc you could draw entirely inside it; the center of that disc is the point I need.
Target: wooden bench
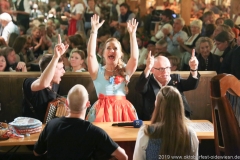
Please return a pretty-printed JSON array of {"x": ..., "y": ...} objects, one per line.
[{"x": 11, "y": 92}]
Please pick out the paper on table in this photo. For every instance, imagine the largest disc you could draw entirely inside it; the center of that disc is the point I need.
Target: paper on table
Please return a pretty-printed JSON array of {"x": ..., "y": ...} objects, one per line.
[{"x": 202, "y": 127}]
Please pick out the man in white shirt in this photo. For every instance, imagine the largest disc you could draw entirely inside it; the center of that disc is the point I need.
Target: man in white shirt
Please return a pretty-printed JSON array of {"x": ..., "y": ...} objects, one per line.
[
  {"x": 9, "y": 26},
  {"x": 35, "y": 13},
  {"x": 166, "y": 20},
  {"x": 172, "y": 37}
]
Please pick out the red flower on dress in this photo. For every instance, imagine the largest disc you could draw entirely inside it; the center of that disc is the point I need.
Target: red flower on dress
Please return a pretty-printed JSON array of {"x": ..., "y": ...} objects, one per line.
[{"x": 118, "y": 79}]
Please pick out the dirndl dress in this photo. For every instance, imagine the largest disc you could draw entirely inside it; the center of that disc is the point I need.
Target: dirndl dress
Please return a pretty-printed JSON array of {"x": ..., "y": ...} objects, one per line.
[{"x": 112, "y": 105}]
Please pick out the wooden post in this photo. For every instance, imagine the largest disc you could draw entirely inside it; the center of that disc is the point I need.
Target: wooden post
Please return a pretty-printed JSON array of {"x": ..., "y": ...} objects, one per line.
[
  {"x": 185, "y": 12},
  {"x": 159, "y": 2},
  {"x": 132, "y": 4}
]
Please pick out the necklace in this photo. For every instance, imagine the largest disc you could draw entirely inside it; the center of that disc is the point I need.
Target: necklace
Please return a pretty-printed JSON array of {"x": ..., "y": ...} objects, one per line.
[
  {"x": 206, "y": 64},
  {"x": 111, "y": 70}
]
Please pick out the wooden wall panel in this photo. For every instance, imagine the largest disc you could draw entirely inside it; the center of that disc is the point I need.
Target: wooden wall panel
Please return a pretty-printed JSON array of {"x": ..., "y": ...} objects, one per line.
[{"x": 11, "y": 92}]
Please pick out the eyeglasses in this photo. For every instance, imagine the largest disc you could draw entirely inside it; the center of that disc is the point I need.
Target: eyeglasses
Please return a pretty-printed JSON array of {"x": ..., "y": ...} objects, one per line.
[{"x": 162, "y": 69}]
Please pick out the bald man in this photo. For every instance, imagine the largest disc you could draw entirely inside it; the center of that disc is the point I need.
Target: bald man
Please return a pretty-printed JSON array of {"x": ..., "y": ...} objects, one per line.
[
  {"x": 149, "y": 84},
  {"x": 72, "y": 137}
]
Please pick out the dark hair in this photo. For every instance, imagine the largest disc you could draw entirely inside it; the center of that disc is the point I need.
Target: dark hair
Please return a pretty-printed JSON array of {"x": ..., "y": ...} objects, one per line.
[
  {"x": 80, "y": 52},
  {"x": 125, "y": 5},
  {"x": 208, "y": 13},
  {"x": 5, "y": 52},
  {"x": 45, "y": 60},
  {"x": 3, "y": 42},
  {"x": 76, "y": 39},
  {"x": 209, "y": 30},
  {"x": 22, "y": 28},
  {"x": 19, "y": 44},
  {"x": 224, "y": 36},
  {"x": 103, "y": 32},
  {"x": 12, "y": 38},
  {"x": 168, "y": 13},
  {"x": 63, "y": 1},
  {"x": 175, "y": 61}
]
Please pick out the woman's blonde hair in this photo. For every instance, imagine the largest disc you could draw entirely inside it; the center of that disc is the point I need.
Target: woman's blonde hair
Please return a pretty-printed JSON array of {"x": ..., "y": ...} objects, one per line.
[
  {"x": 197, "y": 23},
  {"x": 120, "y": 68},
  {"x": 202, "y": 40},
  {"x": 168, "y": 123}
]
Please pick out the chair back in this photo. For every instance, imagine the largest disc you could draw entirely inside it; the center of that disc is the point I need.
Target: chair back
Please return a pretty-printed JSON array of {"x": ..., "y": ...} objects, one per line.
[{"x": 225, "y": 92}]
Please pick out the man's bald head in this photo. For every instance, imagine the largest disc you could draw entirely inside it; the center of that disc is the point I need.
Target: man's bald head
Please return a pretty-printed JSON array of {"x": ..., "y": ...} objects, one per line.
[
  {"x": 77, "y": 98},
  {"x": 161, "y": 69},
  {"x": 161, "y": 61}
]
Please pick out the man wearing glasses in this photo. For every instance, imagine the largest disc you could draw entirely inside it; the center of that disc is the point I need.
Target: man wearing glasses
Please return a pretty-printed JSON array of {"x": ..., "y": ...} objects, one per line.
[{"x": 149, "y": 84}]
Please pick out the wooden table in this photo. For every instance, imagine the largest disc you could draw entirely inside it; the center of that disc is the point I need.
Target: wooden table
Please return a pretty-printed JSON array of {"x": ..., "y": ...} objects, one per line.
[{"x": 118, "y": 134}]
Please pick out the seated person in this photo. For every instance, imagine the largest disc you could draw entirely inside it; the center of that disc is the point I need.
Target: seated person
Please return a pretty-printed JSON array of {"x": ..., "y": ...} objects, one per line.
[
  {"x": 3, "y": 63},
  {"x": 149, "y": 84},
  {"x": 76, "y": 62},
  {"x": 8, "y": 26},
  {"x": 175, "y": 61},
  {"x": 12, "y": 59},
  {"x": 161, "y": 48},
  {"x": 72, "y": 137},
  {"x": 161, "y": 137},
  {"x": 207, "y": 60},
  {"x": 38, "y": 92}
]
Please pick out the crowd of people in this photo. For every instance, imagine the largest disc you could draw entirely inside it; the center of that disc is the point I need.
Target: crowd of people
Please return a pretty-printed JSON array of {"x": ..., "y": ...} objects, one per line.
[
  {"x": 111, "y": 42},
  {"x": 110, "y": 80}
]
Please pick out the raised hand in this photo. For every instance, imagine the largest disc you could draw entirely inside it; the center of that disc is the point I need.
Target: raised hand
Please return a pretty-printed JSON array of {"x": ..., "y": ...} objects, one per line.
[
  {"x": 95, "y": 22},
  {"x": 60, "y": 48},
  {"x": 193, "y": 62},
  {"x": 132, "y": 26},
  {"x": 150, "y": 61}
]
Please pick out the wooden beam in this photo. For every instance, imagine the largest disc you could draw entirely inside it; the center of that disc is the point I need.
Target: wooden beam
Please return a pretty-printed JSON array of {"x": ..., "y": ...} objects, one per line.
[{"x": 185, "y": 12}]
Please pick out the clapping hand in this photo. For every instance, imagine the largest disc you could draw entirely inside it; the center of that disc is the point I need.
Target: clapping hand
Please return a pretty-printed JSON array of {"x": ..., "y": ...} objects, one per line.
[
  {"x": 132, "y": 26},
  {"x": 180, "y": 40},
  {"x": 95, "y": 22},
  {"x": 60, "y": 48},
  {"x": 193, "y": 62},
  {"x": 21, "y": 66}
]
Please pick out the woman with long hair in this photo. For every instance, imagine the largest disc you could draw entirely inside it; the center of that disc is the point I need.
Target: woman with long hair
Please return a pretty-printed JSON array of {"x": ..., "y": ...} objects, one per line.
[
  {"x": 77, "y": 61},
  {"x": 21, "y": 47},
  {"x": 168, "y": 134},
  {"x": 111, "y": 79}
]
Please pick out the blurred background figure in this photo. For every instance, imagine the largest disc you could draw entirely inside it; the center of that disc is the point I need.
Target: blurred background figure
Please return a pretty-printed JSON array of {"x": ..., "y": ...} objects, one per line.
[
  {"x": 3, "y": 63},
  {"x": 21, "y": 12},
  {"x": 175, "y": 62},
  {"x": 35, "y": 12},
  {"x": 9, "y": 26}
]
